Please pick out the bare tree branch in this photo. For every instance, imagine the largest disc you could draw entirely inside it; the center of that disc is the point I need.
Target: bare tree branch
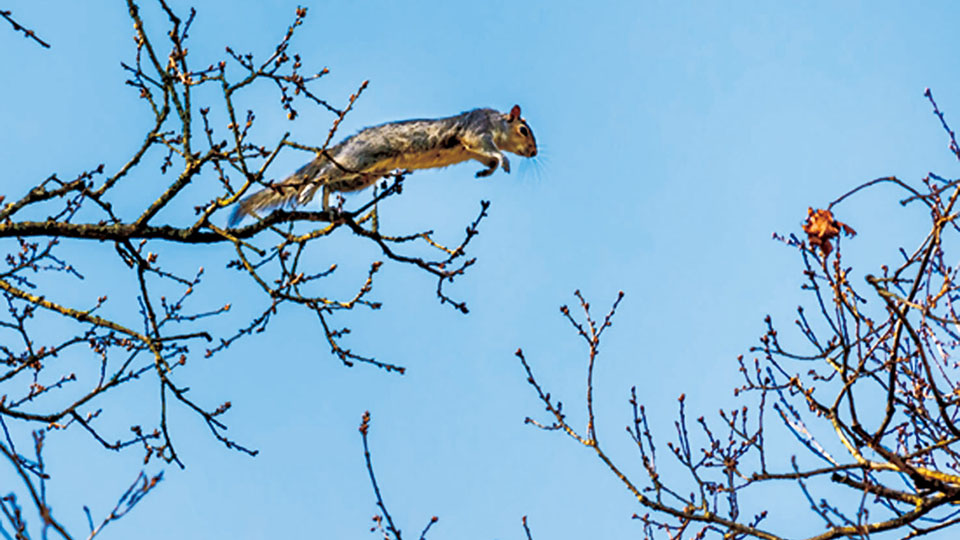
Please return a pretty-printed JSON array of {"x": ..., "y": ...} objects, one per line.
[
  {"x": 157, "y": 314},
  {"x": 17, "y": 27},
  {"x": 870, "y": 399}
]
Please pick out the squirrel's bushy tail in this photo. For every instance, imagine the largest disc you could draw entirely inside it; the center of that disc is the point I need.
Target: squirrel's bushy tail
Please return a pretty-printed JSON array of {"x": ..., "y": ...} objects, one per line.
[
  {"x": 266, "y": 198},
  {"x": 299, "y": 188}
]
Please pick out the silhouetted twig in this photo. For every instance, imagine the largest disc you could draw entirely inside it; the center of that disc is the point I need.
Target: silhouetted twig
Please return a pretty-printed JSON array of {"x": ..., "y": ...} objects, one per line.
[{"x": 17, "y": 27}]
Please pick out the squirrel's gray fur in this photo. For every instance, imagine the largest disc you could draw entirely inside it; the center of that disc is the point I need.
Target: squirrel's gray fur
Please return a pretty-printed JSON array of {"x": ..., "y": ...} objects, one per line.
[{"x": 362, "y": 159}]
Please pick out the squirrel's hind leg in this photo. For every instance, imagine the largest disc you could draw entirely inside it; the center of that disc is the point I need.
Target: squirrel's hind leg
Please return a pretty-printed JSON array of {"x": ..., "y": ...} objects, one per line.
[{"x": 326, "y": 198}]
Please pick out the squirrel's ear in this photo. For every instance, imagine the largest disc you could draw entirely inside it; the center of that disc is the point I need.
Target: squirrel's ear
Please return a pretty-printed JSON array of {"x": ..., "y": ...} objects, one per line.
[{"x": 515, "y": 113}]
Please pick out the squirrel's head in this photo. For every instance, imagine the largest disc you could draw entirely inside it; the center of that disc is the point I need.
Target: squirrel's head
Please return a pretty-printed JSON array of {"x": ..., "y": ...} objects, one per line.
[{"x": 520, "y": 138}]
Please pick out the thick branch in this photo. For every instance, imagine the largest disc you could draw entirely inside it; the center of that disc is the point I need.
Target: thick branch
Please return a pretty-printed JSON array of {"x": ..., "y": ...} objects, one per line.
[{"x": 124, "y": 231}]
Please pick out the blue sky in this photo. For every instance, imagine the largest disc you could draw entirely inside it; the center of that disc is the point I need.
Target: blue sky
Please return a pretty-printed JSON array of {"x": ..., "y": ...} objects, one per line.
[{"x": 676, "y": 138}]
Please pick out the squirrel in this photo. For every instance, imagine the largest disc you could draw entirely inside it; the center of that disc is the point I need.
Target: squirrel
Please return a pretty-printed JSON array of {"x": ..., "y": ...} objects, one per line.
[{"x": 362, "y": 159}]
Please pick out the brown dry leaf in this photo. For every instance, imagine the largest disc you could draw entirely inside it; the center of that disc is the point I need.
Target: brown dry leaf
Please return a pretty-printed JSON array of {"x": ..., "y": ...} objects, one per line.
[{"x": 821, "y": 227}]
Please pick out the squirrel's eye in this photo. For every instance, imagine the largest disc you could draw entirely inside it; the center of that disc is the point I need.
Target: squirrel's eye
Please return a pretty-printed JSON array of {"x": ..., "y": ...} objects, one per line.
[{"x": 523, "y": 131}]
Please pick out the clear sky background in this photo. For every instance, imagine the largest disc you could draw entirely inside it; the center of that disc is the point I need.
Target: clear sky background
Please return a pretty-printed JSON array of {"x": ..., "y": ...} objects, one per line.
[{"x": 676, "y": 137}]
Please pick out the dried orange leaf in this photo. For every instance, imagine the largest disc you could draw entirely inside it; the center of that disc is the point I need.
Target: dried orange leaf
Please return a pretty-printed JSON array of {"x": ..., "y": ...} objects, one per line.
[{"x": 821, "y": 227}]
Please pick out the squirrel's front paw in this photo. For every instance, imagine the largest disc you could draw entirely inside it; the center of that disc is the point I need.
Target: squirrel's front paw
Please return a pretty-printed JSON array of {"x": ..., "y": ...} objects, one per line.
[
  {"x": 485, "y": 172},
  {"x": 506, "y": 165}
]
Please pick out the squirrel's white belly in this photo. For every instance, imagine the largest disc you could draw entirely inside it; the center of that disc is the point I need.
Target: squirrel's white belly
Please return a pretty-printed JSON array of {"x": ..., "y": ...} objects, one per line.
[
  {"x": 426, "y": 160},
  {"x": 408, "y": 161}
]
